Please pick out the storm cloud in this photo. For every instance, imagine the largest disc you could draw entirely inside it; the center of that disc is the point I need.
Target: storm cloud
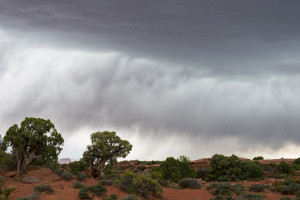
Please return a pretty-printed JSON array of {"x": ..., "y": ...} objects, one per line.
[{"x": 195, "y": 78}]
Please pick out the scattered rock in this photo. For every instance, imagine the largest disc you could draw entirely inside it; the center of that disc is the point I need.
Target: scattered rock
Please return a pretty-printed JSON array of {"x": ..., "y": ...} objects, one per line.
[{"x": 30, "y": 180}]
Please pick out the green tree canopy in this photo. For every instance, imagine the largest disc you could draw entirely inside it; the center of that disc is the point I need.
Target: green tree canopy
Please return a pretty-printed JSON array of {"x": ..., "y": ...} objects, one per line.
[
  {"x": 176, "y": 169},
  {"x": 223, "y": 168},
  {"x": 258, "y": 158},
  {"x": 106, "y": 147},
  {"x": 36, "y": 138}
]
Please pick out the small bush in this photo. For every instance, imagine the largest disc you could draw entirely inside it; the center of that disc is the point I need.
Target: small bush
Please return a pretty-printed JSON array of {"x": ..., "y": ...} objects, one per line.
[
  {"x": 98, "y": 190},
  {"x": 24, "y": 198},
  {"x": 76, "y": 166},
  {"x": 298, "y": 194},
  {"x": 238, "y": 188},
  {"x": 43, "y": 188},
  {"x": 258, "y": 158},
  {"x": 55, "y": 168},
  {"x": 130, "y": 197},
  {"x": 112, "y": 197},
  {"x": 142, "y": 168},
  {"x": 201, "y": 173},
  {"x": 106, "y": 182},
  {"x": 220, "y": 197},
  {"x": 146, "y": 185},
  {"x": 257, "y": 187},
  {"x": 84, "y": 193},
  {"x": 164, "y": 183},
  {"x": 251, "y": 197},
  {"x": 67, "y": 176},
  {"x": 285, "y": 198},
  {"x": 142, "y": 184},
  {"x": 290, "y": 189},
  {"x": 225, "y": 188},
  {"x": 278, "y": 176},
  {"x": 126, "y": 181},
  {"x": 77, "y": 185},
  {"x": 190, "y": 183},
  {"x": 80, "y": 176}
]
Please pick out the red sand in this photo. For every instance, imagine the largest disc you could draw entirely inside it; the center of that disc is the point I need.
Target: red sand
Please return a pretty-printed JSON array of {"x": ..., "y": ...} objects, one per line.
[{"x": 63, "y": 189}]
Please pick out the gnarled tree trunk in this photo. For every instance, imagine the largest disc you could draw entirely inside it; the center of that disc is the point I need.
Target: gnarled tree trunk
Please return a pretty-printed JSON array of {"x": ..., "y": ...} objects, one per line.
[{"x": 23, "y": 161}]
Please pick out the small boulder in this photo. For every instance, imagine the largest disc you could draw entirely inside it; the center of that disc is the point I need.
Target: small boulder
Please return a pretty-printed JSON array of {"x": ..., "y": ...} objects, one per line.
[{"x": 30, "y": 179}]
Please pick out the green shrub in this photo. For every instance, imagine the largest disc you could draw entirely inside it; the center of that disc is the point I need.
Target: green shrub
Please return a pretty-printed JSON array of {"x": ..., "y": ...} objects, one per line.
[
  {"x": 126, "y": 182},
  {"x": 290, "y": 189},
  {"x": 130, "y": 197},
  {"x": 6, "y": 192},
  {"x": 190, "y": 183},
  {"x": 106, "y": 182},
  {"x": 284, "y": 167},
  {"x": 7, "y": 160},
  {"x": 257, "y": 187},
  {"x": 298, "y": 194},
  {"x": 66, "y": 176},
  {"x": 80, "y": 176},
  {"x": 176, "y": 169},
  {"x": 24, "y": 198},
  {"x": 164, "y": 183},
  {"x": 201, "y": 173},
  {"x": 251, "y": 196},
  {"x": 145, "y": 185},
  {"x": 76, "y": 166},
  {"x": 285, "y": 198},
  {"x": 223, "y": 168},
  {"x": 170, "y": 169},
  {"x": 112, "y": 197},
  {"x": 142, "y": 168},
  {"x": 278, "y": 176},
  {"x": 77, "y": 185},
  {"x": 225, "y": 188},
  {"x": 269, "y": 167},
  {"x": 56, "y": 169},
  {"x": 258, "y": 158},
  {"x": 158, "y": 176},
  {"x": 142, "y": 184},
  {"x": 238, "y": 188},
  {"x": 288, "y": 186},
  {"x": 43, "y": 188},
  {"x": 84, "y": 193},
  {"x": 98, "y": 190},
  {"x": 220, "y": 197}
]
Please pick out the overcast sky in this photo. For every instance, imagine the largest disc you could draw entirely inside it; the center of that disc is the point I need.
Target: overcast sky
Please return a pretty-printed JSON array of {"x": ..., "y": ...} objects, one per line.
[{"x": 173, "y": 77}]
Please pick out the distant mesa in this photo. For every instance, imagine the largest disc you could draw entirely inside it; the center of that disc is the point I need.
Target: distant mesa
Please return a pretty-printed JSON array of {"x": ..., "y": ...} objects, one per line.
[{"x": 64, "y": 161}]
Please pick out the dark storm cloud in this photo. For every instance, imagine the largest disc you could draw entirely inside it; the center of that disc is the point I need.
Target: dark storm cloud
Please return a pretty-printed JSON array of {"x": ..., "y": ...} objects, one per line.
[
  {"x": 198, "y": 69},
  {"x": 234, "y": 32}
]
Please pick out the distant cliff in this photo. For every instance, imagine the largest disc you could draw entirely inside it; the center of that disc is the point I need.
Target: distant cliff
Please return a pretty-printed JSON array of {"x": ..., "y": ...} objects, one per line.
[{"x": 64, "y": 161}]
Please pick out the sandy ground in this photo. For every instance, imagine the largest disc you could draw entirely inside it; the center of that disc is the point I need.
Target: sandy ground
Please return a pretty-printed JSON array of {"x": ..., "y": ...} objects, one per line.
[{"x": 63, "y": 189}]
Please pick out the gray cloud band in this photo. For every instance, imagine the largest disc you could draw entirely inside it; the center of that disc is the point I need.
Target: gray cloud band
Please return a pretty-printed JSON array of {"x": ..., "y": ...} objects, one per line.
[{"x": 207, "y": 70}]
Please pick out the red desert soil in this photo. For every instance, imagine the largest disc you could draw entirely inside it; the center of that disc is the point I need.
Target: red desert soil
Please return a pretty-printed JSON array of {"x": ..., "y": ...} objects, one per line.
[{"x": 63, "y": 189}]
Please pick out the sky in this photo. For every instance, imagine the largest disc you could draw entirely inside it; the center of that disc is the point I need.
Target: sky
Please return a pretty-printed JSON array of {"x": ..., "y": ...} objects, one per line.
[{"x": 172, "y": 77}]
